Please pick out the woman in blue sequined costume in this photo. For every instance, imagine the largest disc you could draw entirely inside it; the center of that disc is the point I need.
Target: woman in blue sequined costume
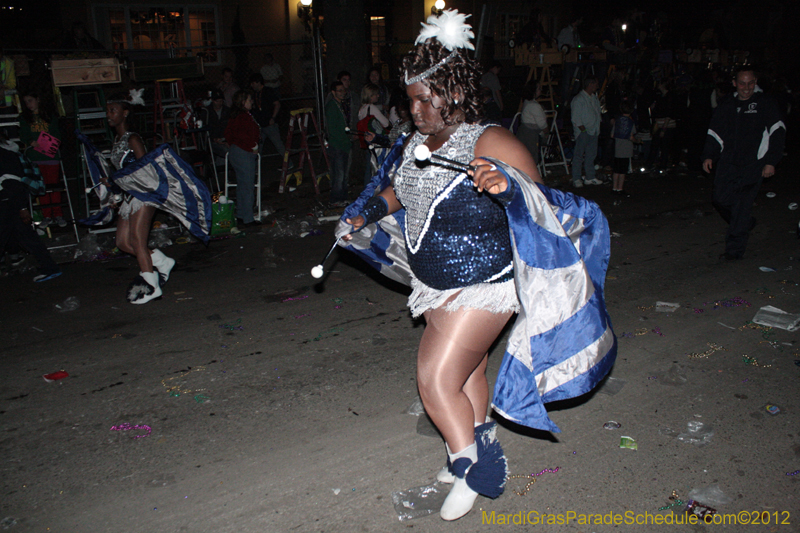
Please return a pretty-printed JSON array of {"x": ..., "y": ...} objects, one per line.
[{"x": 459, "y": 250}]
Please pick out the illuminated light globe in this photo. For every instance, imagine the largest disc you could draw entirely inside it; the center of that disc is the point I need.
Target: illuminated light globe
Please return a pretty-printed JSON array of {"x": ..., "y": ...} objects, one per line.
[{"x": 439, "y": 4}]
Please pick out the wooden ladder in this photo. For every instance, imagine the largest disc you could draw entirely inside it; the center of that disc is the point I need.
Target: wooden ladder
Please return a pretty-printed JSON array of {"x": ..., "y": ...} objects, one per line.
[{"x": 300, "y": 117}]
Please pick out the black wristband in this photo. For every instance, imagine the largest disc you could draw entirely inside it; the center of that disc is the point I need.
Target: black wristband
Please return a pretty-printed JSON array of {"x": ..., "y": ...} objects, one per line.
[{"x": 375, "y": 209}]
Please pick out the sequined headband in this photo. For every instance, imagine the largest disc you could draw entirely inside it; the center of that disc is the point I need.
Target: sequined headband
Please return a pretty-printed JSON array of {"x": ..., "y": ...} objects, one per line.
[{"x": 427, "y": 73}]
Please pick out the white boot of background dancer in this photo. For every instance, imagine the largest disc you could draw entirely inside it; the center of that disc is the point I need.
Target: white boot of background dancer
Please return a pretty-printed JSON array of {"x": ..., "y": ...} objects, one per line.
[
  {"x": 139, "y": 293},
  {"x": 162, "y": 263}
]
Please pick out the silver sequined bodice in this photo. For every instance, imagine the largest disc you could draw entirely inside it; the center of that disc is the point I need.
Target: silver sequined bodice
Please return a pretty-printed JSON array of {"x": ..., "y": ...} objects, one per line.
[
  {"x": 416, "y": 188},
  {"x": 120, "y": 150}
]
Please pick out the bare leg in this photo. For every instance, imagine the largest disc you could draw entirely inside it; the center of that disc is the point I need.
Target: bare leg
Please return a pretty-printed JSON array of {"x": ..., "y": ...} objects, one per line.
[
  {"x": 139, "y": 231},
  {"x": 124, "y": 236},
  {"x": 451, "y": 354}
]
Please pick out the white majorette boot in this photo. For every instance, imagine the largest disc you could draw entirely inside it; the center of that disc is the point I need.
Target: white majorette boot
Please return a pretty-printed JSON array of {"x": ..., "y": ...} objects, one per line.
[
  {"x": 445, "y": 475},
  {"x": 163, "y": 263},
  {"x": 144, "y": 288},
  {"x": 480, "y": 468}
]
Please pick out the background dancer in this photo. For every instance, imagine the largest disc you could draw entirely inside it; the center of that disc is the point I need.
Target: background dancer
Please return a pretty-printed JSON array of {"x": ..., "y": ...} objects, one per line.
[{"x": 135, "y": 216}]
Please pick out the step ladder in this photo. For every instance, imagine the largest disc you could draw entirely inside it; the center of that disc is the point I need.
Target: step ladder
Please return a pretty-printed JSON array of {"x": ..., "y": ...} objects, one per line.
[
  {"x": 170, "y": 104},
  {"x": 551, "y": 151},
  {"x": 541, "y": 73},
  {"x": 43, "y": 202},
  {"x": 171, "y": 108},
  {"x": 300, "y": 117},
  {"x": 89, "y": 105}
]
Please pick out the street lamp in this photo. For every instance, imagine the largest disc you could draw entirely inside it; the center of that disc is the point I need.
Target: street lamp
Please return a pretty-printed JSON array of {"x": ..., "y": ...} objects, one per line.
[
  {"x": 304, "y": 10},
  {"x": 437, "y": 8}
]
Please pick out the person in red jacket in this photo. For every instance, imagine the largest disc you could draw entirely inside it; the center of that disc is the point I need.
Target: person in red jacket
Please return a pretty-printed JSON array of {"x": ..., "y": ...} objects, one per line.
[{"x": 242, "y": 134}]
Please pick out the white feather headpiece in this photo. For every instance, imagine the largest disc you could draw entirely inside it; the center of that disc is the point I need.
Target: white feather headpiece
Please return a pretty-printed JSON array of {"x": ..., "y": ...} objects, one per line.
[
  {"x": 450, "y": 28},
  {"x": 452, "y": 31},
  {"x": 136, "y": 96}
]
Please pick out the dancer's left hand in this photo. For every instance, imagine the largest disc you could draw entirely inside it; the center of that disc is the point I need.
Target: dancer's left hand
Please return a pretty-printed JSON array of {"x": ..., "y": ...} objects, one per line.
[{"x": 487, "y": 177}]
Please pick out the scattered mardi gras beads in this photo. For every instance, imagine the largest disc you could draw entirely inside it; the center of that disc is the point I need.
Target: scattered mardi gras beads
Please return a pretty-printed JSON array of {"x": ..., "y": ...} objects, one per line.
[
  {"x": 712, "y": 347},
  {"x": 642, "y": 331},
  {"x": 128, "y": 427},
  {"x": 793, "y": 473},
  {"x": 176, "y": 390},
  {"x": 752, "y": 361},
  {"x": 736, "y": 301},
  {"x": 532, "y": 480},
  {"x": 691, "y": 506},
  {"x": 678, "y": 503},
  {"x": 766, "y": 331}
]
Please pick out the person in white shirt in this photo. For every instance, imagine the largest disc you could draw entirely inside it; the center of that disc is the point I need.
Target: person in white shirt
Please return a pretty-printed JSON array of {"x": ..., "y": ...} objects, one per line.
[
  {"x": 569, "y": 36},
  {"x": 586, "y": 128},
  {"x": 370, "y": 96},
  {"x": 272, "y": 73},
  {"x": 533, "y": 120}
]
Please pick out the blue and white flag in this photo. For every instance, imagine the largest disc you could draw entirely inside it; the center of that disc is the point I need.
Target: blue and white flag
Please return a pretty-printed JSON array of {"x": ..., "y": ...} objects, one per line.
[
  {"x": 98, "y": 168},
  {"x": 382, "y": 245},
  {"x": 163, "y": 179},
  {"x": 562, "y": 344}
]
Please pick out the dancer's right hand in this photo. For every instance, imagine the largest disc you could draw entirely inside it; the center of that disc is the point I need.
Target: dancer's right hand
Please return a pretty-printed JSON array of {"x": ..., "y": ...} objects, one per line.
[{"x": 356, "y": 222}]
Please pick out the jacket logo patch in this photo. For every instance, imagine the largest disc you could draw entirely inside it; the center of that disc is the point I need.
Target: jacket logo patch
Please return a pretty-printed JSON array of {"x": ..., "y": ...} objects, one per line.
[{"x": 752, "y": 108}]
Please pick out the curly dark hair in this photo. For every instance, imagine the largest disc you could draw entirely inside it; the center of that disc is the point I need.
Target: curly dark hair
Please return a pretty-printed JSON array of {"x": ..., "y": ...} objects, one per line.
[{"x": 459, "y": 75}]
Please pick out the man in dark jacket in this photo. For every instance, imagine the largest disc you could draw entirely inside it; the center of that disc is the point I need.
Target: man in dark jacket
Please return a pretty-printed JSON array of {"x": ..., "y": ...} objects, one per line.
[
  {"x": 266, "y": 106},
  {"x": 218, "y": 114},
  {"x": 745, "y": 138},
  {"x": 15, "y": 219}
]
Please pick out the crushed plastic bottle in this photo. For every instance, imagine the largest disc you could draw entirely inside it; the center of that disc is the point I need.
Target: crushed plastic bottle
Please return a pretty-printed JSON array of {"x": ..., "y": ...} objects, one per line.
[
  {"x": 70, "y": 304},
  {"x": 697, "y": 433},
  {"x": 711, "y": 495},
  {"x": 419, "y": 501},
  {"x": 416, "y": 408}
]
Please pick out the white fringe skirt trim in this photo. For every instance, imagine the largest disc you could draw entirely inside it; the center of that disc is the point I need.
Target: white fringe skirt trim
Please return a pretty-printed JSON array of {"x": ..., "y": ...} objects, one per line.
[
  {"x": 130, "y": 205},
  {"x": 493, "y": 297}
]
